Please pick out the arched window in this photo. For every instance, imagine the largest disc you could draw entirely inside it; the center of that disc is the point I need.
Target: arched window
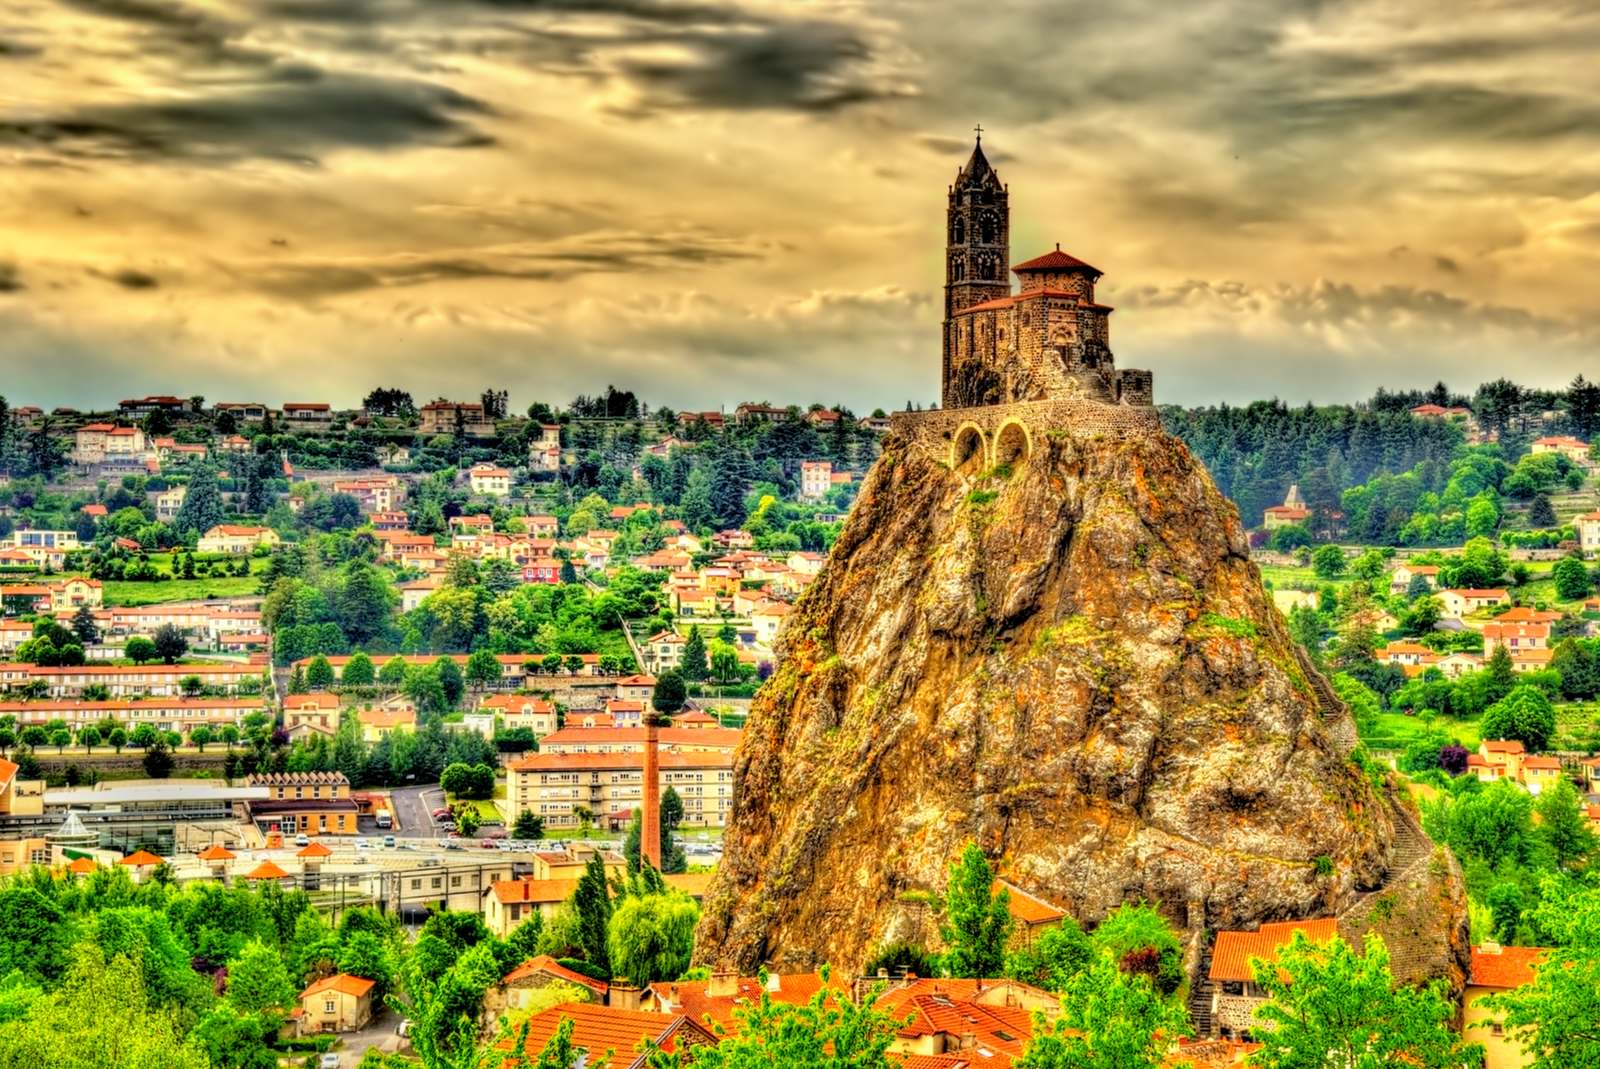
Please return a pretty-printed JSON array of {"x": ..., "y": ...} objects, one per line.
[
  {"x": 958, "y": 231},
  {"x": 958, "y": 269},
  {"x": 989, "y": 228}
]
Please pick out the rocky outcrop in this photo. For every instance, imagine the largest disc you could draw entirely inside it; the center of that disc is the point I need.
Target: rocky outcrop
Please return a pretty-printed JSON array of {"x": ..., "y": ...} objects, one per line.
[{"x": 1073, "y": 664}]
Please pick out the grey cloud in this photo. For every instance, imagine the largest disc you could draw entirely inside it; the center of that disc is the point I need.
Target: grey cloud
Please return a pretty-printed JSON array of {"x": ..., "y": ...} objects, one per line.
[
  {"x": 296, "y": 117},
  {"x": 9, "y": 282},
  {"x": 16, "y": 49},
  {"x": 129, "y": 278},
  {"x": 314, "y": 280}
]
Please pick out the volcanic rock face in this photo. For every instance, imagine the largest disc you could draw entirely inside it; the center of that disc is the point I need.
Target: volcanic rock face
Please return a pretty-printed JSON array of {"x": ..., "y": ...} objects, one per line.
[{"x": 1073, "y": 664}]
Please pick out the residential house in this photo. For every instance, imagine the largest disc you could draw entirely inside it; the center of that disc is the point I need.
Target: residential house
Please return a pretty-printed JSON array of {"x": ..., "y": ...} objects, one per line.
[
  {"x": 1236, "y": 994},
  {"x": 1031, "y": 915},
  {"x": 447, "y": 417},
  {"x": 227, "y": 538},
  {"x": 170, "y": 501},
  {"x": 341, "y": 1003},
  {"x": 244, "y": 411},
  {"x": 99, "y": 442},
  {"x": 377, "y": 495},
  {"x": 518, "y": 989},
  {"x": 636, "y": 687},
  {"x": 126, "y": 681},
  {"x": 489, "y": 480},
  {"x": 626, "y": 737},
  {"x": 806, "y": 563},
  {"x": 1287, "y": 601},
  {"x": 518, "y": 711},
  {"x": 963, "y": 1024},
  {"x": 236, "y": 443},
  {"x": 1565, "y": 445},
  {"x": 733, "y": 539},
  {"x": 1458, "y": 664},
  {"x": 44, "y": 547},
  {"x": 308, "y": 415},
  {"x": 551, "y": 785},
  {"x": 1400, "y": 580},
  {"x": 1531, "y": 660},
  {"x": 377, "y": 723},
  {"x": 164, "y": 714},
  {"x": 822, "y": 418},
  {"x": 544, "y": 450},
  {"x": 723, "y": 992},
  {"x": 1522, "y": 614},
  {"x": 815, "y": 478},
  {"x": 1459, "y": 603},
  {"x": 1540, "y": 773},
  {"x": 753, "y": 413},
  {"x": 1516, "y": 637},
  {"x": 877, "y": 424},
  {"x": 1497, "y": 759},
  {"x": 306, "y": 715},
  {"x": 768, "y": 619},
  {"x": 1588, "y": 529},
  {"x": 1496, "y": 970},
  {"x": 384, "y": 520},
  {"x": 1405, "y": 653},
  {"x": 662, "y": 651},
  {"x": 543, "y": 526},
  {"x": 613, "y": 1035},
  {"x": 139, "y": 407},
  {"x": 507, "y": 903}
]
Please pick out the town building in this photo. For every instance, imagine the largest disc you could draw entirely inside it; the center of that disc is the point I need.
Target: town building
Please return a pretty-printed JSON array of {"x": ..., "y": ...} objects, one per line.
[
  {"x": 519, "y": 711},
  {"x": 1564, "y": 445},
  {"x": 378, "y": 495},
  {"x": 1236, "y": 995},
  {"x": 507, "y": 903},
  {"x": 544, "y": 449},
  {"x": 127, "y": 681},
  {"x": 228, "y": 538},
  {"x": 308, "y": 415},
  {"x": 450, "y": 417},
  {"x": 554, "y": 786},
  {"x": 341, "y": 1003},
  {"x": 100, "y": 442},
  {"x": 43, "y": 547},
  {"x": 139, "y": 407},
  {"x": 816, "y": 478},
  {"x": 313, "y": 803},
  {"x": 1459, "y": 603},
  {"x": 243, "y": 411},
  {"x": 1587, "y": 527},
  {"x": 613, "y": 1035},
  {"x": 1400, "y": 580},
  {"x": 164, "y": 714},
  {"x": 489, "y": 480},
  {"x": 1495, "y": 970}
]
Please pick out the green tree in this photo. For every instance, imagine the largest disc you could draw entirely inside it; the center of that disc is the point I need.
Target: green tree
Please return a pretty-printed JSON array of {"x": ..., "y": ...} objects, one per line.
[
  {"x": 202, "y": 507},
  {"x": 527, "y": 826},
  {"x": 1571, "y": 578},
  {"x": 157, "y": 760},
  {"x": 358, "y": 671},
  {"x": 670, "y": 693},
  {"x": 169, "y": 643},
  {"x": 258, "y": 980},
  {"x": 692, "y": 665},
  {"x": 1482, "y": 518},
  {"x": 1499, "y": 674},
  {"x": 1541, "y": 513},
  {"x": 1525, "y": 715},
  {"x": 1328, "y": 562},
  {"x": 977, "y": 919},
  {"x": 84, "y": 626},
  {"x": 450, "y": 679},
  {"x": 1139, "y": 939},
  {"x": 1052, "y": 959},
  {"x": 650, "y": 937},
  {"x": 393, "y": 673},
  {"x": 140, "y": 649},
  {"x": 201, "y": 736},
  {"x": 591, "y": 901},
  {"x": 1556, "y": 1019},
  {"x": 319, "y": 673},
  {"x": 483, "y": 669},
  {"x": 89, "y": 738},
  {"x": 1327, "y": 1005},
  {"x": 234, "y": 1040},
  {"x": 468, "y": 821},
  {"x": 423, "y": 687},
  {"x": 33, "y": 935},
  {"x": 1109, "y": 1020},
  {"x": 1564, "y": 823},
  {"x": 368, "y": 955},
  {"x": 724, "y": 662}
]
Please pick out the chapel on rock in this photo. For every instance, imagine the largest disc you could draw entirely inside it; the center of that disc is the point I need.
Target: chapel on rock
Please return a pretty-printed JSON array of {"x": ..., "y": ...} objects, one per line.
[{"x": 1049, "y": 341}]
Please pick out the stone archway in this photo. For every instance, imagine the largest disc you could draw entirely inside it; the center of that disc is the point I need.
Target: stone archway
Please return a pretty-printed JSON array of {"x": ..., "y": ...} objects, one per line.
[
  {"x": 969, "y": 449},
  {"x": 1012, "y": 443}
]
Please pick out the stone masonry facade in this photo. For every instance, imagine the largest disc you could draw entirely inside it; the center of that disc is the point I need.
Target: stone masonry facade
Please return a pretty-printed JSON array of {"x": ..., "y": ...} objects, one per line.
[{"x": 1039, "y": 358}]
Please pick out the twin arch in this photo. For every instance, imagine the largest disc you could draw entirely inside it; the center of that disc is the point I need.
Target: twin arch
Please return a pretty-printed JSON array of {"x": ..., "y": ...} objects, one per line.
[{"x": 973, "y": 449}]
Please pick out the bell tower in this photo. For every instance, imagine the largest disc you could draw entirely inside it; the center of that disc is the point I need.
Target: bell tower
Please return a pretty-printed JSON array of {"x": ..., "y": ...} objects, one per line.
[{"x": 978, "y": 244}]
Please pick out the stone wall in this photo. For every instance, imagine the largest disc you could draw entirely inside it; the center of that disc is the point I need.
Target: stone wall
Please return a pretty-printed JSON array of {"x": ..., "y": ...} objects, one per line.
[{"x": 935, "y": 432}]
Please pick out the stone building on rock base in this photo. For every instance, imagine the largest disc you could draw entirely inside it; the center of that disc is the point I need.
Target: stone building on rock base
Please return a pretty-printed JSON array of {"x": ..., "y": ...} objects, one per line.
[{"x": 1040, "y": 357}]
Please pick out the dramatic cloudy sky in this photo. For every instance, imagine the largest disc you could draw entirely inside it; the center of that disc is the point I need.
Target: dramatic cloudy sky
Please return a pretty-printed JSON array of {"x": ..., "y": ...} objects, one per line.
[{"x": 711, "y": 201}]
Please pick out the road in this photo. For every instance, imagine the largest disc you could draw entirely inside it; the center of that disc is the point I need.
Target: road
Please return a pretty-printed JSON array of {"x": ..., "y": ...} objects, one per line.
[{"x": 413, "y": 807}]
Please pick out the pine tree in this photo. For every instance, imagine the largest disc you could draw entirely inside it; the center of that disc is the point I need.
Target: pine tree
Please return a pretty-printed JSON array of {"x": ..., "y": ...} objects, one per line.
[
  {"x": 202, "y": 506},
  {"x": 978, "y": 919},
  {"x": 694, "y": 666}
]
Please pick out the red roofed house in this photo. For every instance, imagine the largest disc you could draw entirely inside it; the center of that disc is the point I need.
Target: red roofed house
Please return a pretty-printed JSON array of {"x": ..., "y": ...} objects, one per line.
[
  {"x": 518, "y": 987},
  {"x": 1540, "y": 773},
  {"x": 1458, "y": 603},
  {"x": 1515, "y": 636},
  {"x": 1588, "y": 529},
  {"x": 1496, "y": 969},
  {"x": 1405, "y": 653},
  {"x": 1566, "y": 445},
  {"x": 1400, "y": 581},
  {"x": 227, "y": 538},
  {"x": 1234, "y": 1002},
  {"x": 1497, "y": 759},
  {"x": 724, "y": 992},
  {"x": 340, "y": 1003},
  {"x": 307, "y": 414},
  {"x": 490, "y": 480},
  {"x": 609, "y": 1028},
  {"x": 963, "y": 1024}
]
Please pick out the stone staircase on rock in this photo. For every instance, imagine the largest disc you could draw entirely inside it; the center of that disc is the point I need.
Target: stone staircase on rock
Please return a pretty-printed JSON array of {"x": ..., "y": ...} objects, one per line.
[
  {"x": 1200, "y": 996},
  {"x": 1336, "y": 718}
]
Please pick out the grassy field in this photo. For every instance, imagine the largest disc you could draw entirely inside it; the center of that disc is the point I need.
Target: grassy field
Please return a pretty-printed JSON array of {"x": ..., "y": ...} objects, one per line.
[{"x": 121, "y": 593}]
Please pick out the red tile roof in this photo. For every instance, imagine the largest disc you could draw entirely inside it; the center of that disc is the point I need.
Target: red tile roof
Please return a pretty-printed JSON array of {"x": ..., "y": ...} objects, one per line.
[
  {"x": 550, "y": 967},
  {"x": 344, "y": 983},
  {"x": 1054, "y": 261},
  {"x": 690, "y": 997},
  {"x": 266, "y": 871},
  {"x": 314, "y": 850},
  {"x": 599, "y": 1029},
  {"x": 1507, "y": 967},
  {"x": 216, "y": 852},
  {"x": 1503, "y": 746},
  {"x": 1230, "y": 959},
  {"x": 1027, "y": 908},
  {"x": 142, "y": 857}
]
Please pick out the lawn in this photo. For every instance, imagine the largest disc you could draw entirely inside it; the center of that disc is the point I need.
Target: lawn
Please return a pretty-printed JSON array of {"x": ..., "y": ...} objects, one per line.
[
  {"x": 118, "y": 592},
  {"x": 1394, "y": 730}
]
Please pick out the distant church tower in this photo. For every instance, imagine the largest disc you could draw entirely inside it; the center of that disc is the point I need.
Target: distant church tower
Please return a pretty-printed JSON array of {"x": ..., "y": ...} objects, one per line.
[{"x": 978, "y": 251}]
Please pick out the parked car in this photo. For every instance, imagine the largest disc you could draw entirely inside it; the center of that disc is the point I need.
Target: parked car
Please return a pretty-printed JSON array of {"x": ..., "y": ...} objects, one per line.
[
  {"x": 362, "y": 844},
  {"x": 388, "y": 840},
  {"x": 403, "y": 1028},
  {"x": 438, "y": 813},
  {"x": 488, "y": 844},
  {"x": 330, "y": 1060},
  {"x": 302, "y": 840}
]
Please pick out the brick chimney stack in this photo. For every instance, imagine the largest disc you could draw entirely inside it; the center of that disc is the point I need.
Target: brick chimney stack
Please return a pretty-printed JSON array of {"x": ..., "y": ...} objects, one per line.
[{"x": 650, "y": 836}]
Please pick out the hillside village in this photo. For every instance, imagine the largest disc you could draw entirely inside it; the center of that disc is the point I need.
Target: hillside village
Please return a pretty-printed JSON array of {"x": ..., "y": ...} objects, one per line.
[{"x": 400, "y": 696}]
